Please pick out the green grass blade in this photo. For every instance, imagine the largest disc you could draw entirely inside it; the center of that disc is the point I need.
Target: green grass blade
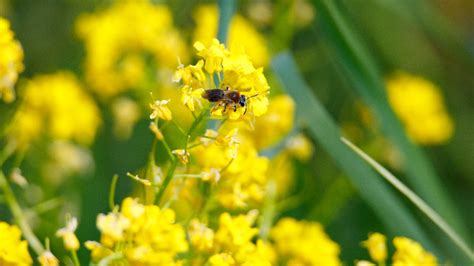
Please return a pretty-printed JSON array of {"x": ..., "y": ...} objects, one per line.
[
  {"x": 364, "y": 74},
  {"x": 415, "y": 199},
  {"x": 322, "y": 128},
  {"x": 226, "y": 12}
]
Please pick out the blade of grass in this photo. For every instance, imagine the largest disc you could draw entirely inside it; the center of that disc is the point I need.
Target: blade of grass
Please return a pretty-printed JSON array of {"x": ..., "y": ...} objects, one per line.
[
  {"x": 415, "y": 199},
  {"x": 322, "y": 128},
  {"x": 226, "y": 12},
  {"x": 362, "y": 70}
]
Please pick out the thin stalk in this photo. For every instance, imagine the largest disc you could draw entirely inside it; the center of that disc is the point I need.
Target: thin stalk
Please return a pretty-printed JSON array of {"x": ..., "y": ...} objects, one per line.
[
  {"x": 113, "y": 186},
  {"x": 19, "y": 216},
  {"x": 166, "y": 181},
  {"x": 75, "y": 259},
  {"x": 425, "y": 208}
]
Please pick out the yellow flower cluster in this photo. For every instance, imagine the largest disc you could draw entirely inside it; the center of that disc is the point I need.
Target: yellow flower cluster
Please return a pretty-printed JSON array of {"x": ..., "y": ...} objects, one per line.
[
  {"x": 231, "y": 243},
  {"x": 13, "y": 250},
  {"x": 407, "y": 251},
  {"x": 242, "y": 35},
  {"x": 11, "y": 61},
  {"x": 234, "y": 162},
  {"x": 234, "y": 72},
  {"x": 304, "y": 243},
  {"x": 140, "y": 234},
  {"x": 55, "y": 106},
  {"x": 419, "y": 105},
  {"x": 124, "y": 41}
]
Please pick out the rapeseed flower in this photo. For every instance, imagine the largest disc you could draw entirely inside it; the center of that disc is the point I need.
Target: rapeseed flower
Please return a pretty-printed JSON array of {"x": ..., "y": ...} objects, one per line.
[
  {"x": 376, "y": 244},
  {"x": 142, "y": 234},
  {"x": 125, "y": 40},
  {"x": 234, "y": 72},
  {"x": 48, "y": 259},
  {"x": 243, "y": 36},
  {"x": 13, "y": 250},
  {"x": 11, "y": 61},
  {"x": 304, "y": 243},
  {"x": 409, "y": 252},
  {"x": 419, "y": 105},
  {"x": 55, "y": 106},
  {"x": 69, "y": 237}
]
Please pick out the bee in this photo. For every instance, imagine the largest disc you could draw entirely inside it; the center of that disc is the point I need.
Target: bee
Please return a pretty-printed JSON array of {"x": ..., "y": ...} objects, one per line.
[{"x": 227, "y": 97}]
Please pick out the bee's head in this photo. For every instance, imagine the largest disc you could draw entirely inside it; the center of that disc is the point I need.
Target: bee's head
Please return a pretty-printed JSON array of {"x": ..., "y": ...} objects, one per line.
[{"x": 242, "y": 100}]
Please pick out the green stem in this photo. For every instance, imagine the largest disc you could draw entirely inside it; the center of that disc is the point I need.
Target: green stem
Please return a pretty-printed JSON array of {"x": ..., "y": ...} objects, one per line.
[
  {"x": 226, "y": 12},
  {"x": 113, "y": 186},
  {"x": 75, "y": 259},
  {"x": 166, "y": 181},
  {"x": 19, "y": 216}
]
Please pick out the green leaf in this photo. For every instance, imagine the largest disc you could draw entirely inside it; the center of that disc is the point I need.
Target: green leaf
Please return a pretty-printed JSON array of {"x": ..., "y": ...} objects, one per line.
[
  {"x": 362, "y": 71},
  {"x": 323, "y": 129},
  {"x": 415, "y": 199}
]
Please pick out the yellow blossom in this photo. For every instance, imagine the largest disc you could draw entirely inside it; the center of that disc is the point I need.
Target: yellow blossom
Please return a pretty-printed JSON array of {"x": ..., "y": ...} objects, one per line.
[
  {"x": 233, "y": 233},
  {"x": 409, "y": 252},
  {"x": 300, "y": 147},
  {"x": 201, "y": 237},
  {"x": 13, "y": 250},
  {"x": 126, "y": 114},
  {"x": 419, "y": 105},
  {"x": 55, "y": 105},
  {"x": 212, "y": 175},
  {"x": 124, "y": 40},
  {"x": 221, "y": 259},
  {"x": 189, "y": 96},
  {"x": 161, "y": 110},
  {"x": 11, "y": 61},
  {"x": 304, "y": 243},
  {"x": 156, "y": 131},
  {"x": 146, "y": 234},
  {"x": 232, "y": 72},
  {"x": 376, "y": 244},
  {"x": 48, "y": 259},
  {"x": 243, "y": 37},
  {"x": 183, "y": 155},
  {"x": 69, "y": 237}
]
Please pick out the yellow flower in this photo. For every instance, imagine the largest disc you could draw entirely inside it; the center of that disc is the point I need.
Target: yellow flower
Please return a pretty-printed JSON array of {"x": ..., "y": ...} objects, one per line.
[
  {"x": 419, "y": 105},
  {"x": 11, "y": 61},
  {"x": 300, "y": 147},
  {"x": 233, "y": 233},
  {"x": 232, "y": 72},
  {"x": 304, "y": 243},
  {"x": 125, "y": 40},
  {"x": 221, "y": 259},
  {"x": 126, "y": 114},
  {"x": 201, "y": 237},
  {"x": 409, "y": 252},
  {"x": 183, "y": 155},
  {"x": 48, "y": 259},
  {"x": 55, "y": 105},
  {"x": 243, "y": 37},
  {"x": 161, "y": 110},
  {"x": 146, "y": 234},
  {"x": 112, "y": 226},
  {"x": 156, "y": 131},
  {"x": 189, "y": 96},
  {"x": 69, "y": 237},
  {"x": 376, "y": 244},
  {"x": 13, "y": 250}
]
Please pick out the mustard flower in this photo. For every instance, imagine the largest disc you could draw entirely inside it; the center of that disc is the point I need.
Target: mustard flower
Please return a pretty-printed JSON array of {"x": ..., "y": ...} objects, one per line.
[
  {"x": 124, "y": 40},
  {"x": 11, "y": 61},
  {"x": 183, "y": 155},
  {"x": 48, "y": 259},
  {"x": 56, "y": 106},
  {"x": 243, "y": 36},
  {"x": 235, "y": 74},
  {"x": 161, "y": 110},
  {"x": 420, "y": 106},
  {"x": 201, "y": 237},
  {"x": 13, "y": 250},
  {"x": 145, "y": 234},
  {"x": 409, "y": 252},
  {"x": 376, "y": 244},
  {"x": 69, "y": 237},
  {"x": 304, "y": 243}
]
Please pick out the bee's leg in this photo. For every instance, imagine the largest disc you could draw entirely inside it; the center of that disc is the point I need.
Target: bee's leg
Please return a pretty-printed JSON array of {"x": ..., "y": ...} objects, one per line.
[
  {"x": 245, "y": 109},
  {"x": 235, "y": 107},
  {"x": 225, "y": 107}
]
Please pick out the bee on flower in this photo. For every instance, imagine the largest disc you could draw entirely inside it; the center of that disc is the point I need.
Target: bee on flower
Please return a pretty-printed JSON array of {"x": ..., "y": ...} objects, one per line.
[{"x": 228, "y": 80}]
